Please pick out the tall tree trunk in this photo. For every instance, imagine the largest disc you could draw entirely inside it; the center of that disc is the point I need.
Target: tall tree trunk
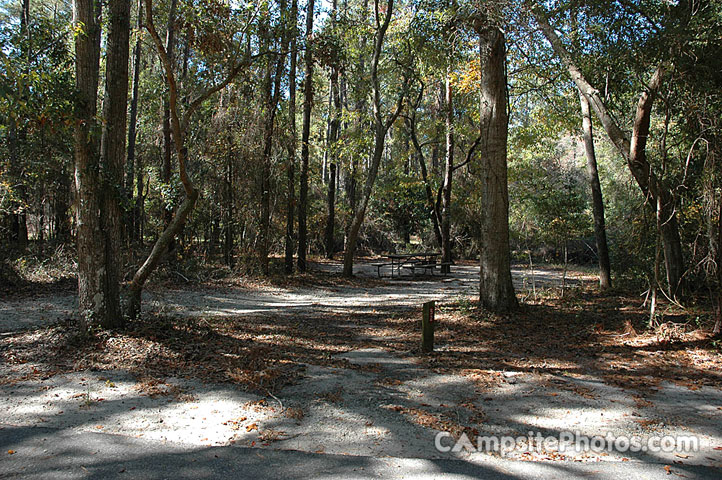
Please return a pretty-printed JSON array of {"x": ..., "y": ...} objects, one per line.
[
  {"x": 433, "y": 211},
  {"x": 718, "y": 324},
  {"x": 113, "y": 153},
  {"x": 167, "y": 130},
  {"x": 273, "y": 95},
  {"x": 132, "y": 215},
  {"x": 139, "y": 211},
  {"x": 179, "y": 126},
  {"x": 91, "y": 254},
  {"x": 448, "y": 174},
  {"x": 600, "y": 231},
  {"x": 229, "y": 209},
  {"x": 360, "y": 107},
  {"x": 331, "y": 219},
  {"x": 381, "y": 128},
  {"x": 291, "y": 168},
  {"x": 496, "y": 291},
  {"x": 305, "y": 138},
  {"x": 333, "y": 135},
  {"x": 642, "y": 171},
  {"x": 637, "y": 162},
  {"x": 17, "y": 140}
]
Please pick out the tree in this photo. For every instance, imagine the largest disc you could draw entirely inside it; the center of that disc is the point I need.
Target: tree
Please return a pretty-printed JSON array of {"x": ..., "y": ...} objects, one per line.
[
  {"x": 272, "y": 92},
  {"x": 166, "y": 121},
  {"x": 98, "y": 273},
  {"x": 448, "y": 175},
  {"x": 382, "y": 123},
  {"x": 633, "y": 152},
  {"x": 600, "y": 231},
  {"x": 333, "y": 136},
  {"x": 431, "y": 203},
  {"x": 179, "y": 124},
  {"x": 496, "y": 291},
  {"x": 112, "y": 159},
  {"x": 291, "y": 168},
  {"x": 305, "y": 139},
  {"x": 132, "y": 223}
]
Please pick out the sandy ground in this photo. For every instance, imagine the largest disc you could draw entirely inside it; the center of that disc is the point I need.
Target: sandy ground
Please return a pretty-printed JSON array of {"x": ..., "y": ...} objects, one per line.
[
  {"x": 397, "y": 292},
  {"x": 383, "y": 405}
]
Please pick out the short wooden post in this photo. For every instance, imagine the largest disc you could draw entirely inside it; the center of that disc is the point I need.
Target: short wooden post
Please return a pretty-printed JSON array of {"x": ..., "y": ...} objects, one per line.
[{"x": 427, "y": 327}]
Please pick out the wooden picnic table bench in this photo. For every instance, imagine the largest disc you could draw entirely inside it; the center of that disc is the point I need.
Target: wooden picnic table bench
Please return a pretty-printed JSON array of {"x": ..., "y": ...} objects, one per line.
[{"x": 409, "y": 261}]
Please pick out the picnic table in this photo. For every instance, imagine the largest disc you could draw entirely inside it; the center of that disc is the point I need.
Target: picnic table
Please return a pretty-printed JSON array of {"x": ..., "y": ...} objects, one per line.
[{"x": 409, "y": 261}]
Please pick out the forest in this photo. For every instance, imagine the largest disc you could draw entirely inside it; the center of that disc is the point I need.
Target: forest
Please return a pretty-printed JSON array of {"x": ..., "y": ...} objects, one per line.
[
  {"x": 222, "y": 132},
  {"x": 156, "y": 147}
]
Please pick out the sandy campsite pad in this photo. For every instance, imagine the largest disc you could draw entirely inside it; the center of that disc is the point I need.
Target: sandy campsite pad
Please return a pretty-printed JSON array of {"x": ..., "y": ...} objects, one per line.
[{"x": 336, "y": 369}]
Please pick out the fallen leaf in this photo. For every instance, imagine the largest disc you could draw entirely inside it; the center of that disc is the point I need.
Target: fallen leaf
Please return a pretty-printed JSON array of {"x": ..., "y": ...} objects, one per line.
[
  {"x": 668, "y": 469},
  {"x": 11, "y": 452}
]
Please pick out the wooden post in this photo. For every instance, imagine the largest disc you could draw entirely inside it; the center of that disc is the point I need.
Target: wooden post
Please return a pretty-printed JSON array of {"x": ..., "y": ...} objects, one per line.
[{"x": 427, "y": 327}]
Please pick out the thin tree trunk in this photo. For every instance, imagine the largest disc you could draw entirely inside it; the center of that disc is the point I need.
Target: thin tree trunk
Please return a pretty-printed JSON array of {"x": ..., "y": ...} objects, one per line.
[
  {"x": 305, "y": 139},
  {"x": 333, "y": 135},
  {"x": 330, "y": 223},
  {"x": 381, "y": 128},
  {"x": 139, "y": 211},
  {"x": 657, "y": 257},
  {"x": 600, "y": 231},
  {"x": 229, "y": 209},
  {"x": 167, "y": 130},
  {"x": 496, "y": 291},
  {"x": 291, "y": 168},
  {"x": 351, "y": 184},
  {"x": 179, "y": 126},
  {"x": 273, "y": 95},
  {"x": 448, "y": 175},
  {"x": 433, "y": 211},
  {"x": 16, "y": 140},
  {"x": 718, "y": 324},
  {"x": 132, "y": 215}
]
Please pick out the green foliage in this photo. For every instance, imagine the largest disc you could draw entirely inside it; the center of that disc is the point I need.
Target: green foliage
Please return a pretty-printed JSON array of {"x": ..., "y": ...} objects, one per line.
[{"x": 548, "y": 194}]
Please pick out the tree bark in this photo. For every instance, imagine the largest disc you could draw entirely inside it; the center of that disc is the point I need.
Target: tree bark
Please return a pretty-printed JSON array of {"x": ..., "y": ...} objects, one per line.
[
  {"x": 448, "y": 175},
  {"x": 91, "y": 255},
  {"x": 496, "y": 291},
  {"x": 291, "y": 168},
  {"x": 305, "y": 138},
  {"x": 647, "y": 180},
  {"x": 113, "y": 154},
  {"x": 600, "y": 231},
  {"x": 641, "y": 170}
]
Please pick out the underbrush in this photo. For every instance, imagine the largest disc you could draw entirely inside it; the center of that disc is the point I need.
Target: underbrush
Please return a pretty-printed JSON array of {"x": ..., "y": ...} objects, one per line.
[{"x": 55, "y": 267}]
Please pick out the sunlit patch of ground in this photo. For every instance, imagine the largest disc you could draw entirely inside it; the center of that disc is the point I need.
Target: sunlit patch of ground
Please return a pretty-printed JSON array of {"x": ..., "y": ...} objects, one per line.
[{"x": 343, "y": 372}]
